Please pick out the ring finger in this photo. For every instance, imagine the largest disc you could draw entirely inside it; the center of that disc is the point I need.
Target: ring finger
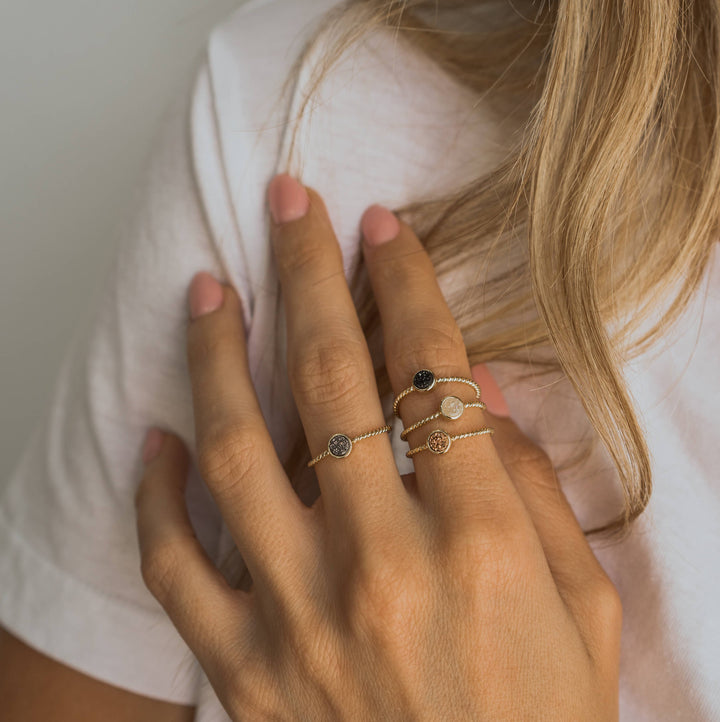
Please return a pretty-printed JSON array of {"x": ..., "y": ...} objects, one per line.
[{"x": 419, "y": 332}]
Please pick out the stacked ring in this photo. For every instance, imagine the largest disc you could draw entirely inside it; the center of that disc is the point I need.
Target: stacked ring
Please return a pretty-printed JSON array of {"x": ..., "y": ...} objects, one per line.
[
  {"x": 424, "y": 380},
  {"x": 451, "y": 407},
  {"x": 439, "y": 441}
]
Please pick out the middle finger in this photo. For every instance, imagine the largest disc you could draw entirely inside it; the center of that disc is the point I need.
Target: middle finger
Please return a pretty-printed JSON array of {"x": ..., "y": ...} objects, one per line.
[{"x": 330, "y": 367}]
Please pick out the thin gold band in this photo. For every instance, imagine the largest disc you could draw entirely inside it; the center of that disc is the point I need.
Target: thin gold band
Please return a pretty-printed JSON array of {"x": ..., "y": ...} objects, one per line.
[
  {"x": 435, "y": 381},
  {"x": 340, "y": 445},
  {"x": 473, "y": 405},
  {"x": 439, "y": 441}
]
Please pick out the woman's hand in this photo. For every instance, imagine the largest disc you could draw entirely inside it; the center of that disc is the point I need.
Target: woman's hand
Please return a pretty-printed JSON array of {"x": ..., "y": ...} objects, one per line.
[{"x": 470, "y": 594}]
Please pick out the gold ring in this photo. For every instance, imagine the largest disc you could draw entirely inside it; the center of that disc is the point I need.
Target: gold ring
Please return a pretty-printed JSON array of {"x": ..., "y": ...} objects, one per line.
[
  {"x": 439, "y": 441},
  {"x": 451, "y": 407},
  {"x": 340, "y": 445},
  {"x": 424, "y": 380}
]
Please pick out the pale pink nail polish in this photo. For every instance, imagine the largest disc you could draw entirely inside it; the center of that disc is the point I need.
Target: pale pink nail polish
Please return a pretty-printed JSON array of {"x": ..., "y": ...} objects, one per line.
[
  {"x": 205, "y": 295},
  {"x": 287, "y": 198},
  {"x": 379, "y": 225},
  {"x": 153, "y": 443},
  {"x": 491, "y": 394}
]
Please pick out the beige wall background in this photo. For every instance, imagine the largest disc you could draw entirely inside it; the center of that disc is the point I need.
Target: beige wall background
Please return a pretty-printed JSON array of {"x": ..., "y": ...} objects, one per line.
[{"x": 83, "y": 85}]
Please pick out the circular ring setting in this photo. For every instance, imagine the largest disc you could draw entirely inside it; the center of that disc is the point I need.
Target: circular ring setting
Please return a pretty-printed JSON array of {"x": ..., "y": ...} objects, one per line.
[
  {"x": 451, "y": 407},
  {"x": 439, "y": 441},
  {"x": 425, "y": 380},
  {"x": 340, "y": 445}
]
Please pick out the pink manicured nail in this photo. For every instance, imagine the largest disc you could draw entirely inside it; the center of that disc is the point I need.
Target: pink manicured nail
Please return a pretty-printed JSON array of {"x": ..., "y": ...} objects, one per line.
[
  {"x": 206, "y": 295},
  {"x": 288, "y": 200},
  {"x": 153, "y": 443},
  {"x": 379, "y": 225},
  {"x": 491, "y": 394}
]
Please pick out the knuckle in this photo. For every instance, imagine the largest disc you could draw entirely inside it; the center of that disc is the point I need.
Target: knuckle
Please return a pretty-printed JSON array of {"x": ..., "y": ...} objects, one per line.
[
  {"x": 523, "y": 455},
  {"x": 329, "y": 372},
  {"x": 159, "y": 566},
  {"x": 496, "y": 555},
  {"x": 608, "y": 604},
  {"x": 406, "y": 271},
  {"x": 318, "y": 652},
  {"x": 203, "y": 346},
  {"x": 251, "y": 692},
  {"x": 602, "y": 616},
  {"x": 229, "y": 455},
  {"x": 304, "y": 253},
  {"x": 383, "y": 598},
  {"x": 439, "y": 346}
]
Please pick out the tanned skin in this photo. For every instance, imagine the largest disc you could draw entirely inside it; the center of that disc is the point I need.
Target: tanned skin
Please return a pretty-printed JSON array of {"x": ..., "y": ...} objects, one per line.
[{"x": 35, "y": 688}]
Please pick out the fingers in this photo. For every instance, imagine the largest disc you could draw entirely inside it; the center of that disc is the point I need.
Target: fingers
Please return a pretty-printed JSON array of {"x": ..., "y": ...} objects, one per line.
[
  {"x": 330, "y": 367},
  {"x": 236, "y": 455},
  {"x": 468, "y": 482},
  {"x": 174, "y": 565},
  {"x": 581, "y": 581}
]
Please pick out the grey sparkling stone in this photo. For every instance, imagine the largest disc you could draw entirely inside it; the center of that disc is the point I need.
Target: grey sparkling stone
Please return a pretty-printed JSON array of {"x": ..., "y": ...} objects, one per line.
[
  {"x": 340, "y": 446},
  {"x": 452, "y": 407},
  {"x": 424, "y": 380}
]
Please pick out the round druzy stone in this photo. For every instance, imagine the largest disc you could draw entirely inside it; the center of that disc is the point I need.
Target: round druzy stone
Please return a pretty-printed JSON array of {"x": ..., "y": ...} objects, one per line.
[
  {"x": 438, "y": 441},
  {"x": 424, "y": 380},
  {"x": 340, "y": 446},
  {"x": 452, "y": 407}
]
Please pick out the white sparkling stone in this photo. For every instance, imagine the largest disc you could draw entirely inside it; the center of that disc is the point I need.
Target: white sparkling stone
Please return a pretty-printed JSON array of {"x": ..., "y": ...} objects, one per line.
[{"x": 452, "y": 407}]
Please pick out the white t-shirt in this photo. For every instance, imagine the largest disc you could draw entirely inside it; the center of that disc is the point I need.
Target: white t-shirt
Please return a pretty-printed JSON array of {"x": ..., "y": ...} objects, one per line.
[{"x": 388, "y": 128}]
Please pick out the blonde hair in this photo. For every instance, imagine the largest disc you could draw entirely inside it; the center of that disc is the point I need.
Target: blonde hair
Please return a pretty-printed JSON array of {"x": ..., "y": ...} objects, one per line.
[{"x": 606, "y": 202}]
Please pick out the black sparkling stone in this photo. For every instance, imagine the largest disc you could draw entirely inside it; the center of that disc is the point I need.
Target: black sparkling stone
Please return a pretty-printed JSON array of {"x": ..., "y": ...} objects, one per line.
[
  {"x": 423, "y": 380},
  {"x": 339, "y": 446}
]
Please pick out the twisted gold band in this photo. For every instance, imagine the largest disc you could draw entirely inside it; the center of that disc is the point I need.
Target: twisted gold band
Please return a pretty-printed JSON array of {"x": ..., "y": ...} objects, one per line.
[
  {"x": 424, "y": 380},
  {"x": 340, "y": 445},
  {"x": 451, "y": 407},
  {"x": 439, "y": 441}
]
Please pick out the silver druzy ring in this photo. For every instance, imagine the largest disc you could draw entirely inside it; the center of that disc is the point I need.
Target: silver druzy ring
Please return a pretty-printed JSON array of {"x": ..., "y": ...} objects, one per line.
[{"x": 340, "y": 445}]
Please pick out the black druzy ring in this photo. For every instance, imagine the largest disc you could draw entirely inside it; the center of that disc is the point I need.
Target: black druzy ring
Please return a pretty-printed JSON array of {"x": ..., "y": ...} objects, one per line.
[{"x": 425, "y": 380}]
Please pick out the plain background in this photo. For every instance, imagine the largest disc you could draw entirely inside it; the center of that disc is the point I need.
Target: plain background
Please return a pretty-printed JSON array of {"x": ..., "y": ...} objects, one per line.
[{"x": 83, "y": 84}]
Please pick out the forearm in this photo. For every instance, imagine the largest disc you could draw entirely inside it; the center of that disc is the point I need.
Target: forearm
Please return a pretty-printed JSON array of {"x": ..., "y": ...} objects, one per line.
[{"x": 35, "y": 688}]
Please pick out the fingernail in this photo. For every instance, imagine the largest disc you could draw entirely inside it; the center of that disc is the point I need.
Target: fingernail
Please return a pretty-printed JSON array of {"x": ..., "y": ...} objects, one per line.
[
  {"x": 206, "y": 295},
  {"x": 379, "y": 225},
  {"x": 153, "y": 443},
  {"x": 491, "y": 394},
  {"x": 287, "y": 198}
]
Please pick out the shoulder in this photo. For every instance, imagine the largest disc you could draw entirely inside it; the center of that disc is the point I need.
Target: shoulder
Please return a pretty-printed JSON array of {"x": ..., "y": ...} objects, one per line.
[
  {"x": 238, "y": 115},
  {"x": 388, "y": 120}
]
